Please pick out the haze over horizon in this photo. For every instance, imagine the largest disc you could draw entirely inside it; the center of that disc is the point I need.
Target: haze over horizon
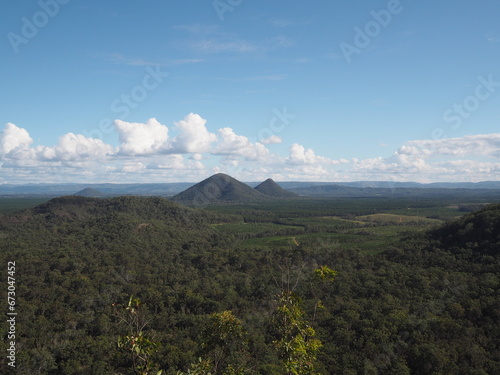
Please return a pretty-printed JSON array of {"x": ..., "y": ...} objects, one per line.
[{"x": 390, "y": 90}]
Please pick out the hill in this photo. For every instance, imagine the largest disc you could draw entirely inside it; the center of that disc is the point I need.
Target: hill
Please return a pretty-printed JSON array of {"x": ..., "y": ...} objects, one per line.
[
  {"x": 89, "y": 192},
  {"x": 477, "y": 233},
  {"x": 89, "y": 210},
  {"x": 219, "y": 188},
  {"x": 272, "y": 189}
]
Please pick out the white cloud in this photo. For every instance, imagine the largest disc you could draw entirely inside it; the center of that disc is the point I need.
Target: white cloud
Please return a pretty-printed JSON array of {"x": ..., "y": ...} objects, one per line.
[
  {"x": 476, "y": 145},
  {"x": 299, "y": 155},
  {"x": 141, "y": 139},
  {"x": 133, "y": 167},
  {"x": 174, "y": 161},
  {"x": 14, "y": 139},
  {"x": 436, "y": 160},
  {"x": 76, "y": 147},
  {"x": 15, "y": 144},
  {"x": 146, "y": 153},
  {"x": 274, "y": 139},
  {"x": 231, "y": 144},
  {"x": 193, "y": 136}
]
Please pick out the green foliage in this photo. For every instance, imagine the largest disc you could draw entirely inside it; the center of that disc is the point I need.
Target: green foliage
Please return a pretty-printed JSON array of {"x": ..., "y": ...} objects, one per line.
[
  {"x": 479, "y": 231},
  {"x": 325, "y": 274},
  {"x": 140, "y": 347},
  {"x": 296, "y": 344},
  {"x": 224, "y": 344},
  {"x": 202, "y": 367},
  {"x": 404, "y": 300}
]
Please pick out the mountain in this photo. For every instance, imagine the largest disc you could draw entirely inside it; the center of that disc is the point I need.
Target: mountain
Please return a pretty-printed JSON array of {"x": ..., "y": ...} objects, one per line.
[
  {"x": 219, "y": 188},
  {"x": 89, "y": 192},
  {"x": 272, "y": 189}
]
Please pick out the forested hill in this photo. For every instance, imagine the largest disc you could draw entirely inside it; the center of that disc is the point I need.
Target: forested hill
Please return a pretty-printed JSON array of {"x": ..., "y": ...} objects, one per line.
[
  {"x": 428, "y": 303},
  {"x": 478, "y": 232},
  {"x": 85, "y": 211}
]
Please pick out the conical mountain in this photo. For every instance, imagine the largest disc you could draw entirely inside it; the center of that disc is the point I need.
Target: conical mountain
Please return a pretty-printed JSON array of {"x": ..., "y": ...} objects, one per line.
[
  {"x": 219, "y": 188},
  {"x": 89, "y": 192},
  {"x": 272, "y": 189}
]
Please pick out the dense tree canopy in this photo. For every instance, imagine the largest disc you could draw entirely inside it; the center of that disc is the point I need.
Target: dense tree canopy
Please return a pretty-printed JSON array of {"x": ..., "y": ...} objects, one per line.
[{"x": 427, "y": 302}]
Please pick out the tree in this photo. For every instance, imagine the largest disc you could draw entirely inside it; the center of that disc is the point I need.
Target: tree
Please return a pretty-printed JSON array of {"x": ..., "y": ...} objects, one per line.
[
  {"x": 297, "y": 345},
  {"x": 225, "y": 347},
  {"x": 224, "y": 339},
  {"x": 140, "y": 348}
]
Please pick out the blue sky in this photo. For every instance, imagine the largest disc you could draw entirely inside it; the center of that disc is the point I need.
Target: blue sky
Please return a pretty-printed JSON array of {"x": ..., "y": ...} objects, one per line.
[{"x": 163, "y": 91}]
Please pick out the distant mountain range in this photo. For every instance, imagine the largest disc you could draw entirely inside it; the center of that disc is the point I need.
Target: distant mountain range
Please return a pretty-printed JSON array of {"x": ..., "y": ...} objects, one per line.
[
  {"x": 303, "y": 188},
  {"x": 108, "y": 189}
]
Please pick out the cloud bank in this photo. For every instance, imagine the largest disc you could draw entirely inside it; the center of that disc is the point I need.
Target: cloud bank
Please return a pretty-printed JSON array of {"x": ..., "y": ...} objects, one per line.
[{"x": 189, "y": 150}]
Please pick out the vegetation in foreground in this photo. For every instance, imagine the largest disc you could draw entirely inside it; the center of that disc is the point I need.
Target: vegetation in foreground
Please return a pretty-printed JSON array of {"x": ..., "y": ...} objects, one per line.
[{"x": 409, "y": 297}]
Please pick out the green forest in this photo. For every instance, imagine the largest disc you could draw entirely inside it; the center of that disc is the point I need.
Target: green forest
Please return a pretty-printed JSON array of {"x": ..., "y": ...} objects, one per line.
[{"x": 143, "y": 285}]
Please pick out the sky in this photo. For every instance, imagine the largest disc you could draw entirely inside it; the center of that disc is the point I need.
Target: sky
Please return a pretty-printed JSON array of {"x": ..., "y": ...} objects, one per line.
[{"x": 169, "y": 91}]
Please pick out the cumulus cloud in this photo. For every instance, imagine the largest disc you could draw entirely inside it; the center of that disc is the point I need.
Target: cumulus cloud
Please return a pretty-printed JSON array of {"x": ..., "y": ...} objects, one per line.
[
  {"x": 15, "y": 144},
  {"x": 76, "y": 147},
  {"x": 299, "y": 155},
  {"x": 192, "y": 152},
  {"x": 14, "y": 139},
  {"x": 141, "y": 139},
  {"x": 238, "y": 145},
  {"x": 193, "y": 136}
]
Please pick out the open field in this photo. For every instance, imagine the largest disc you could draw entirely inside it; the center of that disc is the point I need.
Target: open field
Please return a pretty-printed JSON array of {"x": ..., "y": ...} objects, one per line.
[
  {"x": 394, "y": 219},
  {"x": 370, "y": 225}
]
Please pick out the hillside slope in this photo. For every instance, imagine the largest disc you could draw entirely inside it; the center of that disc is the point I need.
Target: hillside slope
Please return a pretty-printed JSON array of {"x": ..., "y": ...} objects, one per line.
[
  {"x": 89, "y": 192},
  {"x": 87, "y": 212},
  {"x": 479, "y": 231},
  {"x": 219, "y": 188},
  {"x": 272, "y": 189}
]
